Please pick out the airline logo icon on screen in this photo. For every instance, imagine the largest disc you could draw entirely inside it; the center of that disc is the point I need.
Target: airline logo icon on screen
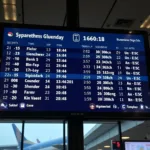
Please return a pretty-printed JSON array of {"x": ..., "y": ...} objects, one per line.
[
  {"x": 10, "y": 34},
  {"x": 22, "y": 105},
  {"x": 92, "y": 106}
]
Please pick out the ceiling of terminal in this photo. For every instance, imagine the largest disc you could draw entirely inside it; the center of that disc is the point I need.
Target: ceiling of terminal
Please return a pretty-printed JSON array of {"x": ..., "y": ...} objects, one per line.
[
  {"x": 122, "y": 14},
  {"x": 114, "y": 14}
]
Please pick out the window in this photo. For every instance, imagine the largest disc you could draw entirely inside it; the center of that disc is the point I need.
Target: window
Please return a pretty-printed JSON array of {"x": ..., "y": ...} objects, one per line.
[
  {"x": 10, "y": 136},
  {"x": 100, "y": 135},
  {"x": 43, "y": 135},
  {"x": 135, "y": 130}
]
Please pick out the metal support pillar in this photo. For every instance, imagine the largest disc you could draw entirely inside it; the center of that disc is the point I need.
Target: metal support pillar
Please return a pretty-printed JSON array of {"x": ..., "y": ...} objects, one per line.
[
  {"x": 120, "y": 135},
  {"x": 22, "y": 136},
  {"x": 64, "y": 135},
  {"x": 72, "y": 13},
  {"x": 75, "y": 134},
  {"x": 75, "y": 124}
]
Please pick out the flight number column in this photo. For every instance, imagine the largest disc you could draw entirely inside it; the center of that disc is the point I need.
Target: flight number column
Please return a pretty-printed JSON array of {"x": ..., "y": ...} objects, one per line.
[
  {"x": 98, "y": 68},
  {"x": 105, "y": 74},
  {"x": 11, "y": 68}
]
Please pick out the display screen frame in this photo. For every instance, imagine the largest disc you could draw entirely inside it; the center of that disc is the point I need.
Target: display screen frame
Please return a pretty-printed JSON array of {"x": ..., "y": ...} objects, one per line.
[
  {"x": 144, "y": 141},
  {"x": 86, "y": 115}
]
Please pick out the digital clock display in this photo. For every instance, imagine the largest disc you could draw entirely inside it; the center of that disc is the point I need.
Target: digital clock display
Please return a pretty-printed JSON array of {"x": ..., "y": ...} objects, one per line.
[
  {"x": 93, "y": 38},
  {"x": 73, "y": 71}
]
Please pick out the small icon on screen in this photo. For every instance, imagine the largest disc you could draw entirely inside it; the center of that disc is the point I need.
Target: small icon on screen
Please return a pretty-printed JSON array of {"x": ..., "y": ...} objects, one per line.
[
  {"x": 92, "y": 106},
  {"x": 142, "y": 106},
  {"x": 3, "y": 105},
  {"x": 22, "y": 105},
  {"x": 10, "y": 34},
  {"x": 115, "y": 106},
  {"x": 146, "y": 107},
  {"x": 123, "y": 106},
  {"x": 76, "y": 37}
]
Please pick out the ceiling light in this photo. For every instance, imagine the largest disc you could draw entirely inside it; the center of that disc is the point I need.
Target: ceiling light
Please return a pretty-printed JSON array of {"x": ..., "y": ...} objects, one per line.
[
  {"x": 107, "y": 146},
  {"x": 10, "y": 12},
  {"x": 146, "y": 23},
  {"x": 14, "y": 16},
  {"x": 125, "y": 137},
  {"x": 11, "y": 2},
  {"x": 6, "y": 14}
]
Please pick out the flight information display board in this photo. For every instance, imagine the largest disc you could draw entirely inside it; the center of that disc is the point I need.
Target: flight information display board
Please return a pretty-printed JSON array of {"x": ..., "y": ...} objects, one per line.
[{"x": 73, "y": 71}]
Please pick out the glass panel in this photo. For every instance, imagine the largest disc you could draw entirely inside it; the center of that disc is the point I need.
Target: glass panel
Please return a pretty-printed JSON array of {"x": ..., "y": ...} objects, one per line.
[
  {"x": 100, "y": 135},
  {"x": 87, "y": 127},
  {"x": 135, "y": 130},
  {"x": 43, "y": 136},
  {"x": 10, "y": 136}
]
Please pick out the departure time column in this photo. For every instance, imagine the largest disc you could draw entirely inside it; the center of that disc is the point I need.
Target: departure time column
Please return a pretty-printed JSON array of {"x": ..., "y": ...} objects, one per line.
[{"x": 61, "y": 74}]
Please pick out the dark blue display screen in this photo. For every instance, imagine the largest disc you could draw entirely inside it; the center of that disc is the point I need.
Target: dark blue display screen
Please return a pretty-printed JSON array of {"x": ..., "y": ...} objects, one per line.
[{"x": 55, "y": 70}]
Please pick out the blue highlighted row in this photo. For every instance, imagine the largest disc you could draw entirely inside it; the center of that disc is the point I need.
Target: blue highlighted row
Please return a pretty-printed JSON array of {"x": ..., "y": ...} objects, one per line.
[{"x": 72, "y": 76}]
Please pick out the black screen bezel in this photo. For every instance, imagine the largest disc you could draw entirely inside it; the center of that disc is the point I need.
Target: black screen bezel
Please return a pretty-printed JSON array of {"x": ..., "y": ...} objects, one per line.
[{"x": 86, "y": 115}]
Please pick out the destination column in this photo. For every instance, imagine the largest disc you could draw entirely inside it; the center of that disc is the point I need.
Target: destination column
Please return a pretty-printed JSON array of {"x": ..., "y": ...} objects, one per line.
[
  {"x": 34, "y": 82},
  {"x": 138, "y": 85}
]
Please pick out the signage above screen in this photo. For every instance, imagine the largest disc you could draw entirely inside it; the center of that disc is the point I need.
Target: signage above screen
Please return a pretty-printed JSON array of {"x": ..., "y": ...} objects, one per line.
[
  {"x": 60, "y": 70},
  {"x": 116, "y": 145}
]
